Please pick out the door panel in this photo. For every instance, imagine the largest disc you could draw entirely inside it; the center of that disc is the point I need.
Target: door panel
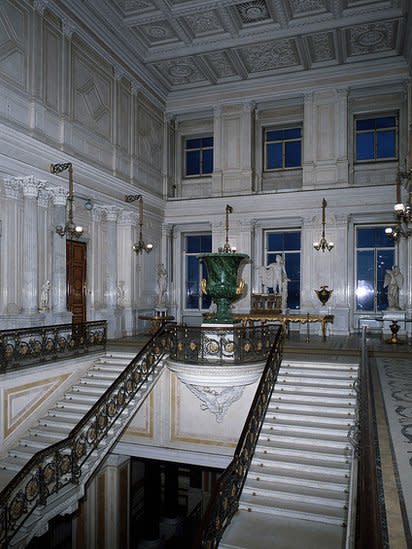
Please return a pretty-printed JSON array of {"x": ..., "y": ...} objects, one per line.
[{"x": 76, "y": 280}]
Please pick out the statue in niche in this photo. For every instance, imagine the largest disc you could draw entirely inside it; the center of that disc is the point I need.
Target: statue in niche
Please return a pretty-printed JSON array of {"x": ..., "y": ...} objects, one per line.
[
  {"x": 162, "y": 285},
  {"x": 121, "y": 294},
  {"x": 44, "y": 296},
  {"x": 393, "y": 281}
]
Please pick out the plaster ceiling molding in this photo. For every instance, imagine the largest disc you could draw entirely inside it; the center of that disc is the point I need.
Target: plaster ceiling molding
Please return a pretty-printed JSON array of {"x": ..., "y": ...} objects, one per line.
[
  {"x": 180, "y": 71},
  {"x": 255, "y": 11},
  {"x": 220, "y": 63},
  {"x": 269, "y": 56},
  {"x": 156, "y": 33},
  {"x": 136, "y": 5},
  {"x": 371, "y": 38},
  {"x": 204, "y": 23},
  {"x": 301, "y": 8},
  {"x": 321, "y": 47}
]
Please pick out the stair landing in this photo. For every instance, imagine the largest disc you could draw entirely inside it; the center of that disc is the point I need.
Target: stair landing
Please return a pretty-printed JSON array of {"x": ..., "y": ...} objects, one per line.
[{"x": 259, "y": 530}]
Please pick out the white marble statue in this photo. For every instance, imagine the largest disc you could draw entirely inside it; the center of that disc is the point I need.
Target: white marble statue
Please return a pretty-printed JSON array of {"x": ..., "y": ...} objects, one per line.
[
  {"x": 274, "y": 275},
  {"x": 162, "y": 285},
  {"x": 393, "y": 281},
  {"x": 44, "y": 296}
]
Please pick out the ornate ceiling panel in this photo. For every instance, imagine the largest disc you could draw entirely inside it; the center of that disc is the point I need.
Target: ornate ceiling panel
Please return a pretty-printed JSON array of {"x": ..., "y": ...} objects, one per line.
[{"x": 184, "y": 44}]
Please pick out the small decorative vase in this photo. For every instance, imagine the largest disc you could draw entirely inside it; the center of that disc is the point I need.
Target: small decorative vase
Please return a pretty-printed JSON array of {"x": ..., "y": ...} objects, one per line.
[{"x": 323, "y": 294}]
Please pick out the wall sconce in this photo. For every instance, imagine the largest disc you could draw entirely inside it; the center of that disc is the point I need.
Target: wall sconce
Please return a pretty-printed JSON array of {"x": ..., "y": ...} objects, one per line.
[
  {"x": 88, "y": 205},
  {"x": 140, "y": 246},
  {"x": 323, "y": 244},
  {"x": 69, "y": 230},
  {"x": 402, "y": 211}
]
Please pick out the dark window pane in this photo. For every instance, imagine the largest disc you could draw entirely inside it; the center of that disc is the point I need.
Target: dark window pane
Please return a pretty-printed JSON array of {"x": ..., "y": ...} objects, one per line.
[
  {"x": 365, "y": 281},
  {"x": 193, "y": 143},
  {"x": 385, "y": 122},
  {"x": 373, "y": 237},
  {"x": 386, "y": 144},
  {"x": 193, "y": 243},
  {"x": 292, "y": 154},
  {"x": 207, "y": 142},
  {"x": 275, "y": 241},
  {"x": 193, "y": 163},
  {"x": 206, "y": 243},
  {"x": 365, "y": 124},
  {"x": 365, "y": 146},
  {"x": 274, "y": 135},
  {"x": 207, "y": 161},
  {"x": 293, "y": 133},
  {"x": 292, "y": 240},
  {"x": 192, "y": 271},
  {"x": 273, "y": 156}
]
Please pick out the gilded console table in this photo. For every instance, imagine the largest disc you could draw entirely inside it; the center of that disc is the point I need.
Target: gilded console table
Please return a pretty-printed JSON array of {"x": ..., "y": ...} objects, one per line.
[{"x": 285, "y": 319}]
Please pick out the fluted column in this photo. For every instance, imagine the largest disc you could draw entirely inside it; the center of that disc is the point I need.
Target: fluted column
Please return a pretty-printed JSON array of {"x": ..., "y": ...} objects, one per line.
[
  {"x": 58, "y": 286},
  {"x": 30, "y": 249}
]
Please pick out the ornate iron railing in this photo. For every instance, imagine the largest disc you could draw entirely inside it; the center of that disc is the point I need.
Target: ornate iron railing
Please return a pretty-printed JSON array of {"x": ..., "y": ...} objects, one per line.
[
  {"x": 70, "y": 461},
  {"x": 195, "y": 345},
  {"x": 225, "y": 499},
  {"x": 371, "y": 527},
  {"x": 26, "y": 346}
]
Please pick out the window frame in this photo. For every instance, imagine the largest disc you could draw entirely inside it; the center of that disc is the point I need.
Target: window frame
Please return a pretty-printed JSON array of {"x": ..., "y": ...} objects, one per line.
[
  {"x": 291, "y": 126},
  {"x": 375, "y": 115},
  {"x": 266, "y": 252},
  {"x": 185, "y": 254},
  {"x": 186, "y": 138},
  {"x": 375, "y": 249}
]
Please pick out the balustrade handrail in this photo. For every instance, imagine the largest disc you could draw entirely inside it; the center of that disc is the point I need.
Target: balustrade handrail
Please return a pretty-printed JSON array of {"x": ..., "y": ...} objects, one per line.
[
  {"x": 203, "y": 345},
  {"x": 59, "y": 465},
  {"x": 224, "y": 501},
  {"x": 22, "y": 347},
  {"x": 371, "y": 520}
]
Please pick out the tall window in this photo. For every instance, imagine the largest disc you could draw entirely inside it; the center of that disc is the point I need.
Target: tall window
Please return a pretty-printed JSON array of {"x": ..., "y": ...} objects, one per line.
[
  {"x": 286, "y": 244},
  {"x": 196, "y": 244},
  {"x": 198, "y": 154},
  {"x": 376, "y": 138},
  {"x": 375, "y": 253},
  {"x": 283, "y": 148}
]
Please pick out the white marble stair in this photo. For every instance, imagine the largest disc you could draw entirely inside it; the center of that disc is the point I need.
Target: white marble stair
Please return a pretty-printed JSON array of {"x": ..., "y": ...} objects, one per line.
[
  {"x": 302, "y": 463},
  {"x": 67, "y": 411}
]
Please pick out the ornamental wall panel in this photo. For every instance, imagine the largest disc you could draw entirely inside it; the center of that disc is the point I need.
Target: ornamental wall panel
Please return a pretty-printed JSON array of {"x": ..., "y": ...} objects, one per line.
[
  {"x": 52, "y": 61},
  {"x": 14, "y": 43},
  {"x": 92, "y": 93}
]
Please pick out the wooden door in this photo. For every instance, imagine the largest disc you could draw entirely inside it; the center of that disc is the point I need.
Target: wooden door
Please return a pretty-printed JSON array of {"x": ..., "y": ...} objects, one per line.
[{"x": 76, "y": 279}]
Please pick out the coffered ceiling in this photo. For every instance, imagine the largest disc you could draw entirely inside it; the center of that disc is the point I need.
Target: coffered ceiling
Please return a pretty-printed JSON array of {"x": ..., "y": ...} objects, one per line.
[{"x": 193, "y": 44}]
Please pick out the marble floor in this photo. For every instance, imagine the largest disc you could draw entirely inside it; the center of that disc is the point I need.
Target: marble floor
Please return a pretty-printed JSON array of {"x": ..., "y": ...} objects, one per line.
[{"x": 395, "y": 465}]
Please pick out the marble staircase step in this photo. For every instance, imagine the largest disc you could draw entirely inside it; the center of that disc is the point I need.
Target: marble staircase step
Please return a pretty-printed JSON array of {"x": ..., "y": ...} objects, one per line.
[
  {"x": 310, "y": 409},
  {"x": 321, "y": 509},
  {"x": 312, "y": 444},
  {"x": 301, "y": 486},
  {"x": 301, "y": 456}
]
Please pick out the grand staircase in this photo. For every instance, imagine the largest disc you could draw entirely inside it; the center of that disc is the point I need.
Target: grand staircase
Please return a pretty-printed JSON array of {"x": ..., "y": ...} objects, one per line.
[
  {"x": 301, "y": 469},
  {"x": 68, "y": 411},
  {"x": 51, "y": 477}
]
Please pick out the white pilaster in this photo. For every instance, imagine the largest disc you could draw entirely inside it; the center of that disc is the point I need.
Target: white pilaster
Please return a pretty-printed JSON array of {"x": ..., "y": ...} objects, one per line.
[
  {"x": 30, "y": 256},
  {"x": 58, "y": 284}
]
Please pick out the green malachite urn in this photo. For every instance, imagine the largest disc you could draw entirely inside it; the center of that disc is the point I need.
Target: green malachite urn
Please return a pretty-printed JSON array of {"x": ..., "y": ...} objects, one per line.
[{"x": 222, "y": 283}]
